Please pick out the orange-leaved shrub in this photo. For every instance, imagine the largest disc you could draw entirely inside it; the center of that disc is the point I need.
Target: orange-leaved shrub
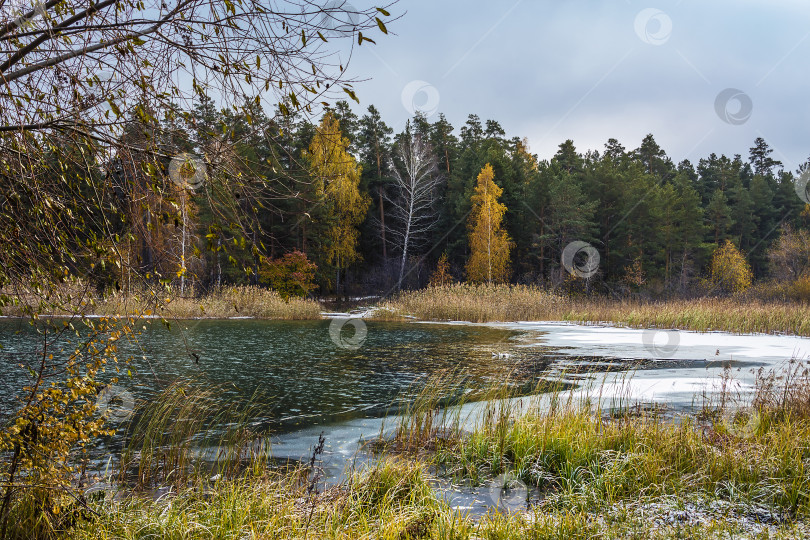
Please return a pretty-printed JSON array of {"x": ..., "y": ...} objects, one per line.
[{"x": 291, "y": 275}]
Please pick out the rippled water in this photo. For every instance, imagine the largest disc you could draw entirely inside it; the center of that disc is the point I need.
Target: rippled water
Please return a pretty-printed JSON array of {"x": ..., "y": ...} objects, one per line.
[{"x": 299, "y": 372}]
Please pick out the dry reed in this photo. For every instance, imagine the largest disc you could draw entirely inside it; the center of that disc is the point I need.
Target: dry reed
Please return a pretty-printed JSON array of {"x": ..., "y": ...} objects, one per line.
[
  {"x": 487, "y": 303},
  {"x": 77, "y": 298}
]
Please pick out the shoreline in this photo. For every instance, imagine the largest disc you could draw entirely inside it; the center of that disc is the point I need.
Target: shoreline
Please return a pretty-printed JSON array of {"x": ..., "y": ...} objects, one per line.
[
  {"x": 634, "y": 461},
  {"x": 384, "y": 313}
]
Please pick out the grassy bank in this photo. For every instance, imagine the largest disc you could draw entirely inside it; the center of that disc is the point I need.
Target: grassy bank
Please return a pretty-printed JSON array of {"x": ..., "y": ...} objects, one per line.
[
  {"x": 227, "y": 302},
  {"x": 485, "y": 303},
  {"x": 392, "y": 501},
  {"x": 588, "y": 474},
  {"x": 740, "y": 468},
  {"x": 460, "y": 302}
]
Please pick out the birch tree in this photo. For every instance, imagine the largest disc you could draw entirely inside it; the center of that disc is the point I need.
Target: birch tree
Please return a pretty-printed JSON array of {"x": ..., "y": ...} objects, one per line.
[{"x": 413, "y": 196}]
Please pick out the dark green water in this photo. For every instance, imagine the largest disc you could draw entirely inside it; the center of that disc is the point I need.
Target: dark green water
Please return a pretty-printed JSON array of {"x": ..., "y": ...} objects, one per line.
[{"x": 298, "y": 374}]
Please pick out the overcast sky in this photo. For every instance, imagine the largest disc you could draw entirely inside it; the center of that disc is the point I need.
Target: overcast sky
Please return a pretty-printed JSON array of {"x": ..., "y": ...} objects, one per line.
[{"x": 701, "y": 76}]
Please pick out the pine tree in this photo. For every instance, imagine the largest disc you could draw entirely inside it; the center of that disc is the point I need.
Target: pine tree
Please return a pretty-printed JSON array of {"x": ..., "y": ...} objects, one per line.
[
  {"x": 568, "y": 158},
  {"x": 760, "y": 158},
  {"x": 444, "y": 142},
  {"x": 690, "y": 229},
  {"x": 614, "y": 151},
  {"x": 374, "y": 142},
  {"x": 718, "y": 215},
  {"x": 489, "y": 244},
  {"x": 653, "y": 157}
]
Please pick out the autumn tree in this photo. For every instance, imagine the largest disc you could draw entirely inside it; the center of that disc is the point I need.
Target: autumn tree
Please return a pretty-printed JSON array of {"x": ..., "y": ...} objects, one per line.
[
  {"x": 441, "y": 276},
  {"x": 789, "y": 257},
  {"x": 413, "y": 198},
  {"x": 337, "y": 179},
  {"x": 730, "y": 270},
  {"x": 489, "y": 243}
]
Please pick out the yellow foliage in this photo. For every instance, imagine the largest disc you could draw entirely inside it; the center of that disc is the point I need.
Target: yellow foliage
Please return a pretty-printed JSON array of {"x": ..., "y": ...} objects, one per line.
[
  {"x": 634, "y": 274},
  {"x": 800, "y": 288},
  {"x": 730, "y": 270},
  {"x": 57, "y": 419},
  {"x": 337, "y": 176},
  {"x": 489, "y": 244},
  {"x": 789, "y": 256},
  {"x": 441, "y": 276}
]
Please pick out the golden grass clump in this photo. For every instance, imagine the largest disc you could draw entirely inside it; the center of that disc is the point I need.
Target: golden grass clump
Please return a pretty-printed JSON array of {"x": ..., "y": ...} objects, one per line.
[
  {"x": 77, "y": 297},
  {"x": 244, "y": 302},
  {"x": 487, "y": 303}
]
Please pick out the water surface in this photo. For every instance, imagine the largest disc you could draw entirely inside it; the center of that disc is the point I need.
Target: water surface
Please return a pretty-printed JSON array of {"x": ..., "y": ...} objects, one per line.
[{"x": 298, "y": 373}]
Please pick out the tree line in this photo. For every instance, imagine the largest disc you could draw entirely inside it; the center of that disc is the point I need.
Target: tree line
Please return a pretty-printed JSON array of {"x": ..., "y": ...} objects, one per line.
[{"x": 373, "y": 211}]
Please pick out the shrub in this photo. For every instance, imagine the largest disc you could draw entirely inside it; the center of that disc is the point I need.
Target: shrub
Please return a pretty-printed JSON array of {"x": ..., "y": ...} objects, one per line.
[
  {"x": 789, "y": 257},
  {"x": 800, "y": 288},
  {"x": 730, "y": 270},
  {"x": 291, "y": 275}
]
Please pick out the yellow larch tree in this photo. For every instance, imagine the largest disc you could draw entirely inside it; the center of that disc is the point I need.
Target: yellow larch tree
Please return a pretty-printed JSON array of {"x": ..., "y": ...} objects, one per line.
[
  {"x": 489, "y": 244},
  {"x": 337, "y": 177}
]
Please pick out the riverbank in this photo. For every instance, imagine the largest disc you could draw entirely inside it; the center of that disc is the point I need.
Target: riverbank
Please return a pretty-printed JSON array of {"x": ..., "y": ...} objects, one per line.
[
  {"x": 485, "y": 303},
  {"x": 226, "y": 303},
  {"x": 563, "y": 470},
  {"x": 394, "y": 501},
  {"x": 459, "y": 302}
]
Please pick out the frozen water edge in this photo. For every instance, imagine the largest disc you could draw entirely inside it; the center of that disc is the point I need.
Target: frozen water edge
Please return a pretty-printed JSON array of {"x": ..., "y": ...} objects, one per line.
[
  {"x": 693, "y": 368},
  {"x": 686, "y": 365},
  {"x": 634, "y": 343},
  {"x": 691, "y": 363}
]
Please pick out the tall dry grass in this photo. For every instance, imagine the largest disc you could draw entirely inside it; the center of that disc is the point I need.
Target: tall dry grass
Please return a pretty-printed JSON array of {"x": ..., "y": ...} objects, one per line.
[
  {"x": 391, "y": 500},
  {"x": 78, "y": 298},
  {"x": 186, "y": 433},
  {"x": 599, "y": 476},
  {"x": 487, "y": 303},
  {"x": 254, "y": 302}
]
